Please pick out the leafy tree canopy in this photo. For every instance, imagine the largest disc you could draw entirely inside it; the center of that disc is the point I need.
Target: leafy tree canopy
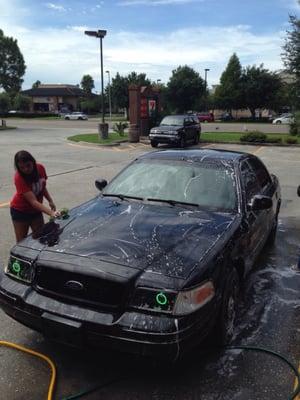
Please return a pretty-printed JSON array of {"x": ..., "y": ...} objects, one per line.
[
  {"x": 260, "y": 88},
  {"x": 36, "y": 84},
  {"x": 22, "y": 103},
  {"x": 229, "y": 93},
  {"x": 291, "y": 48},
  {"x": 4, "y": 103},
  {"x": 12, "y": 65},
  {"x": 87, "y": 83},
  {"x": 185, "y": 88}
]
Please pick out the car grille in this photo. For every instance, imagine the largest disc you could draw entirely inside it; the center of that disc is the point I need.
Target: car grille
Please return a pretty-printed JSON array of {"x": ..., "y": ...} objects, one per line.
[{"x": 79, "y": 288}]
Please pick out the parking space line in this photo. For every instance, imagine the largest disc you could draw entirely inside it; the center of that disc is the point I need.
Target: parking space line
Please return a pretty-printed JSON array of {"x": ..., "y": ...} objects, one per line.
[
  {"x": 4, "y": 204},
  {"x": 296, "y": 384},
  {"x": 258, "y": 150}
]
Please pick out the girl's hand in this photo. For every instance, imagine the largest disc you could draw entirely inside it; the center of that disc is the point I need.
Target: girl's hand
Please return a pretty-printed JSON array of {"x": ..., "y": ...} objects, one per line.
[
  {"x": 52, "y": 206},
  {"x": 55, "y": 214}
]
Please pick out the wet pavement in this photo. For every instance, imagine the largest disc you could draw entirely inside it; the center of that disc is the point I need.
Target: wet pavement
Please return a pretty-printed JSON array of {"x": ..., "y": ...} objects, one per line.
[{"x": 268, "y": 315}]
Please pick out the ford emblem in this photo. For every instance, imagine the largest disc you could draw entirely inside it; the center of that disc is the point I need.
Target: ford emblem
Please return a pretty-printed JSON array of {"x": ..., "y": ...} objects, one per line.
[{"x": 74, "y": 285}]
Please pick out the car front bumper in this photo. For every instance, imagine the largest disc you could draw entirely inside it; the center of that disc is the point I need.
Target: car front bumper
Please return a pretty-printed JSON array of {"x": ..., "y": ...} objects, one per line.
[
  {"x": 132, "y": 331},
  {"x": 164, "y": 138}
]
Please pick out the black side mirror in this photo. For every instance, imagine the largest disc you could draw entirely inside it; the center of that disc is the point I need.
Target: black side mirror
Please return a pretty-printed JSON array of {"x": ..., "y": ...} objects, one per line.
[
  {"x": 298, "y": 191},
  {"x": 260, "y": 202},
  {"x": 100, "y": 184}
]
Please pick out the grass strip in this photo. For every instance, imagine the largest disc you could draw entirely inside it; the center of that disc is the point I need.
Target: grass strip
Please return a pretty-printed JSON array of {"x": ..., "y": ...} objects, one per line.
[{"x": 94, "y": 138}]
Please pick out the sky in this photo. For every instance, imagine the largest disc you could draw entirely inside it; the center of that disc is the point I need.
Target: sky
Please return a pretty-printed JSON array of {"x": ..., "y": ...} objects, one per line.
[{"x": 150, "y": 36}]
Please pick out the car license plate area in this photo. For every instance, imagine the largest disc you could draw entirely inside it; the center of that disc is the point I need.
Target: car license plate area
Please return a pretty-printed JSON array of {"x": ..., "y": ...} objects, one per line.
[{"x": 62, "y": 329}]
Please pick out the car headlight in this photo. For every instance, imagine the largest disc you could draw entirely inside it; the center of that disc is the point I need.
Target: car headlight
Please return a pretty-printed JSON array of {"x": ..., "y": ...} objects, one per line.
[
  {"x": 20, "y": 269},
  {"x": 153, "y": 131},
  {"x": 175, "y": 303},
  {"x": 188, "y": 301}
]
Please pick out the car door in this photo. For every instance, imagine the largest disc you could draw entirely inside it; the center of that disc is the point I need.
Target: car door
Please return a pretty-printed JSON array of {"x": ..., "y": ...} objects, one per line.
[{"x": 253, "y": 221}]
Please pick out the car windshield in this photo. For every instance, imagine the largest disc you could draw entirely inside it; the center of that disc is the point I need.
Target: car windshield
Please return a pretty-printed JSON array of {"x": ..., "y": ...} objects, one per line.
[
  {"x": 207, "y": 185},
  {"x": 172, "y": 120}
]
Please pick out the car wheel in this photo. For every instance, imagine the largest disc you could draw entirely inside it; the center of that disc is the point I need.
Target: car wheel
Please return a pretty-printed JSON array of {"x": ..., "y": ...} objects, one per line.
[
  {"x": 154, "y": 143},
  {"x": 227, "y": 317},
  {"x": 182, "y": 142},
  {"x": 197, "y": 138},
  {"x": 80, "y": 118},
  {"x": 67, "y": 118},
  {"x": 278, "y": 122}
]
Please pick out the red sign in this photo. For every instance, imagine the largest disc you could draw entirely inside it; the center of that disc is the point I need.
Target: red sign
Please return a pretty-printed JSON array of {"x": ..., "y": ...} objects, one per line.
[
  {"x": 144, "y": 109},
  {"x": 151, "y": 106}
]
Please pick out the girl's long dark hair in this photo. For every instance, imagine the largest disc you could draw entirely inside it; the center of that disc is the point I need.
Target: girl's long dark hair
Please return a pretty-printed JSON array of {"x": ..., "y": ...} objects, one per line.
[{"x": 25, "y": 156}]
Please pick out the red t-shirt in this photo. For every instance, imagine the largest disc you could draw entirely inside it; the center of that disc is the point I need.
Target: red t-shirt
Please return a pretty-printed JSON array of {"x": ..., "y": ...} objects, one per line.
[{"x": 38, "y": 188}]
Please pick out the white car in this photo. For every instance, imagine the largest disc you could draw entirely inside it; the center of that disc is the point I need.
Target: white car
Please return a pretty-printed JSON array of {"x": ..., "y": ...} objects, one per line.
[
  {"x": 76, "y": 115},
  {"x": 283, "y": 119}
]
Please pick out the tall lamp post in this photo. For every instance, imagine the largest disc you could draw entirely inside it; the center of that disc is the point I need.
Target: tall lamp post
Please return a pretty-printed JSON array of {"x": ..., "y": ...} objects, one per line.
[
  {"x": 109, "y": 94},
  {"x": 103, "y": 128},
  {"x": 205, "y": 79}
]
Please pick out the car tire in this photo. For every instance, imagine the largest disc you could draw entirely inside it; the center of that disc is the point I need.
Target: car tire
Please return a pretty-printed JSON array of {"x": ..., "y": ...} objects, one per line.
[
  {"x": 197, "y": 138},
  {"x": 80, "y": 118},
  {"x": 182, "y": 142},
  {"x": 227, "y": 316},
  {"x": 278, "y": 122},
  {"x": 154, "y": 143},
  {"x": 67, "y": 118}
]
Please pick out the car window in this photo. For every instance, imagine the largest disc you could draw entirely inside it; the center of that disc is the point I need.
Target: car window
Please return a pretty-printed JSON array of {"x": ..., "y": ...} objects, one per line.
[
  {"x": 249, "y": 181},
  {"x": 207, "y": 185},
  {"x": 172, "y": 120},
  {"x": 261, "y": 172}
]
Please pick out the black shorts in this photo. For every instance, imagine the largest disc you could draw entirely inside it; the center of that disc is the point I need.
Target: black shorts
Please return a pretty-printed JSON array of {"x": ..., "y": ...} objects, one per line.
[{"x": 21, "y": 216}]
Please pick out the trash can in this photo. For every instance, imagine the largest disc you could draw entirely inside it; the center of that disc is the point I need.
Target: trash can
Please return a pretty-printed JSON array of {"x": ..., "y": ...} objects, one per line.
[{"x": 103, "y": 130}]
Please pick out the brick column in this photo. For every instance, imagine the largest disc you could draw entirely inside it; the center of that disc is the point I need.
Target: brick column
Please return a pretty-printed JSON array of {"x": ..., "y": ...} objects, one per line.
[{"x": 134, "y": 113}]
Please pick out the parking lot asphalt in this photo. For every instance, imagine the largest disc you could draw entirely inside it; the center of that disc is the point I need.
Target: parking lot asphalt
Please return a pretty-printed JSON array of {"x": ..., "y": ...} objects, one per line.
[{"x": 269, "y": 310}]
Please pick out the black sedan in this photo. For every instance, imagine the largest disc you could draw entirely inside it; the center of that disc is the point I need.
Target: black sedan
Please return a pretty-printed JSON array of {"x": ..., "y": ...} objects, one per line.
[
  {"x": 153, "y": 264},
  {"x": 177, "y": 130}
]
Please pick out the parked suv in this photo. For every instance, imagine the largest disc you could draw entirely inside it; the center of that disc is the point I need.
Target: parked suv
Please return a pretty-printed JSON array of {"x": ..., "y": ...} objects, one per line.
[
  {"x": 205, "y": 117},
  {"x": 176, "y": 129}
]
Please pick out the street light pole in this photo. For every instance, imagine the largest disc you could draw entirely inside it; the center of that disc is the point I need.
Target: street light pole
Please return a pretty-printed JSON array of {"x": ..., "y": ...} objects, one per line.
[
  {"x": 101, "y": 34},
  {"x": 205, "y": 79},
  {"x": 109, "y": 94}
]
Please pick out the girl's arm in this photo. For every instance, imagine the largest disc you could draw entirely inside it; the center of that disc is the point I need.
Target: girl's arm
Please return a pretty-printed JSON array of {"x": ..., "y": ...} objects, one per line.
[
  {"x": 30, "y": 197},
  {"x": 49, "y": 198}
]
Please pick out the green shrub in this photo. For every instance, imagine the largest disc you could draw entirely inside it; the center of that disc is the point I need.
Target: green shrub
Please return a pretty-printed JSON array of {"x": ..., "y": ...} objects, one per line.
[
  {"x": 254, "y": 137},
  {"x": 119, "y": 127},
  {"x": 294, "y": 129},
  {"x": 291, "y": 140},
  {"x": 273, "y": 140}
]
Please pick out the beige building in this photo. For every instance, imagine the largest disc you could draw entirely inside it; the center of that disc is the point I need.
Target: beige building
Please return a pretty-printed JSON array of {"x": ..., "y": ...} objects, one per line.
[{"x": 54, "y": 97}]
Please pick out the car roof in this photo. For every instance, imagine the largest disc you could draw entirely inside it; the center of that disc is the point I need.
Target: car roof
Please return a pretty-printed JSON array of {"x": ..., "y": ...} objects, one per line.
[{"x": 196, "y": 155}]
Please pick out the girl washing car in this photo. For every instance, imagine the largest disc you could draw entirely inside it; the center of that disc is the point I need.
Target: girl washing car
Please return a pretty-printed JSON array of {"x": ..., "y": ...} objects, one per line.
[{"x": 26, "y": 206}]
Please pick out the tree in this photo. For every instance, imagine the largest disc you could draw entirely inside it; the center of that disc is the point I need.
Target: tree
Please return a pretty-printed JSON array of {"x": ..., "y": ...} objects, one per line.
[
  {"x": 260, "y": 88},
  {"x": 291, "y": 57},
  {"x": 36, "y": 84},
  {"x": 228, "y": 94},
  {"x": 87, "y": 84},
  {"x": 12, "y": 65},
  {"x": 119, "y": 88},
  {"x": 4, "y": 103},
  {"x": 22, "y": 103},
  {"x": 291, "y": 48},
  {"x": 185, "y": 88}
]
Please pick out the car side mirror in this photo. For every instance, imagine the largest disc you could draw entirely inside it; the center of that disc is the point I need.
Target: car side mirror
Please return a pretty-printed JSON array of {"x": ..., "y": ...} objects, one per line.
[
  {"x": 260, "y": 202},
  {"x": 298, "y": 191},
  {"x": 100, "y": 184}
]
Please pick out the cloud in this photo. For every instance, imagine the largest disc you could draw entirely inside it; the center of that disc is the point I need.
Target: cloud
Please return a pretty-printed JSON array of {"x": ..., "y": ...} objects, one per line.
[
  {"x": 55, "y": 7},
  {"x": 156, "y": 2},
  {"x": 64, "y": 55}
]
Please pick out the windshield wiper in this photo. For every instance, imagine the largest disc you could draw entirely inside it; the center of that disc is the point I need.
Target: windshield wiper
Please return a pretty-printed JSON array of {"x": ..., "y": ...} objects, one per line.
[
  {"x": 174, "y": 202},
  {"x": 122, "y": 196}
]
